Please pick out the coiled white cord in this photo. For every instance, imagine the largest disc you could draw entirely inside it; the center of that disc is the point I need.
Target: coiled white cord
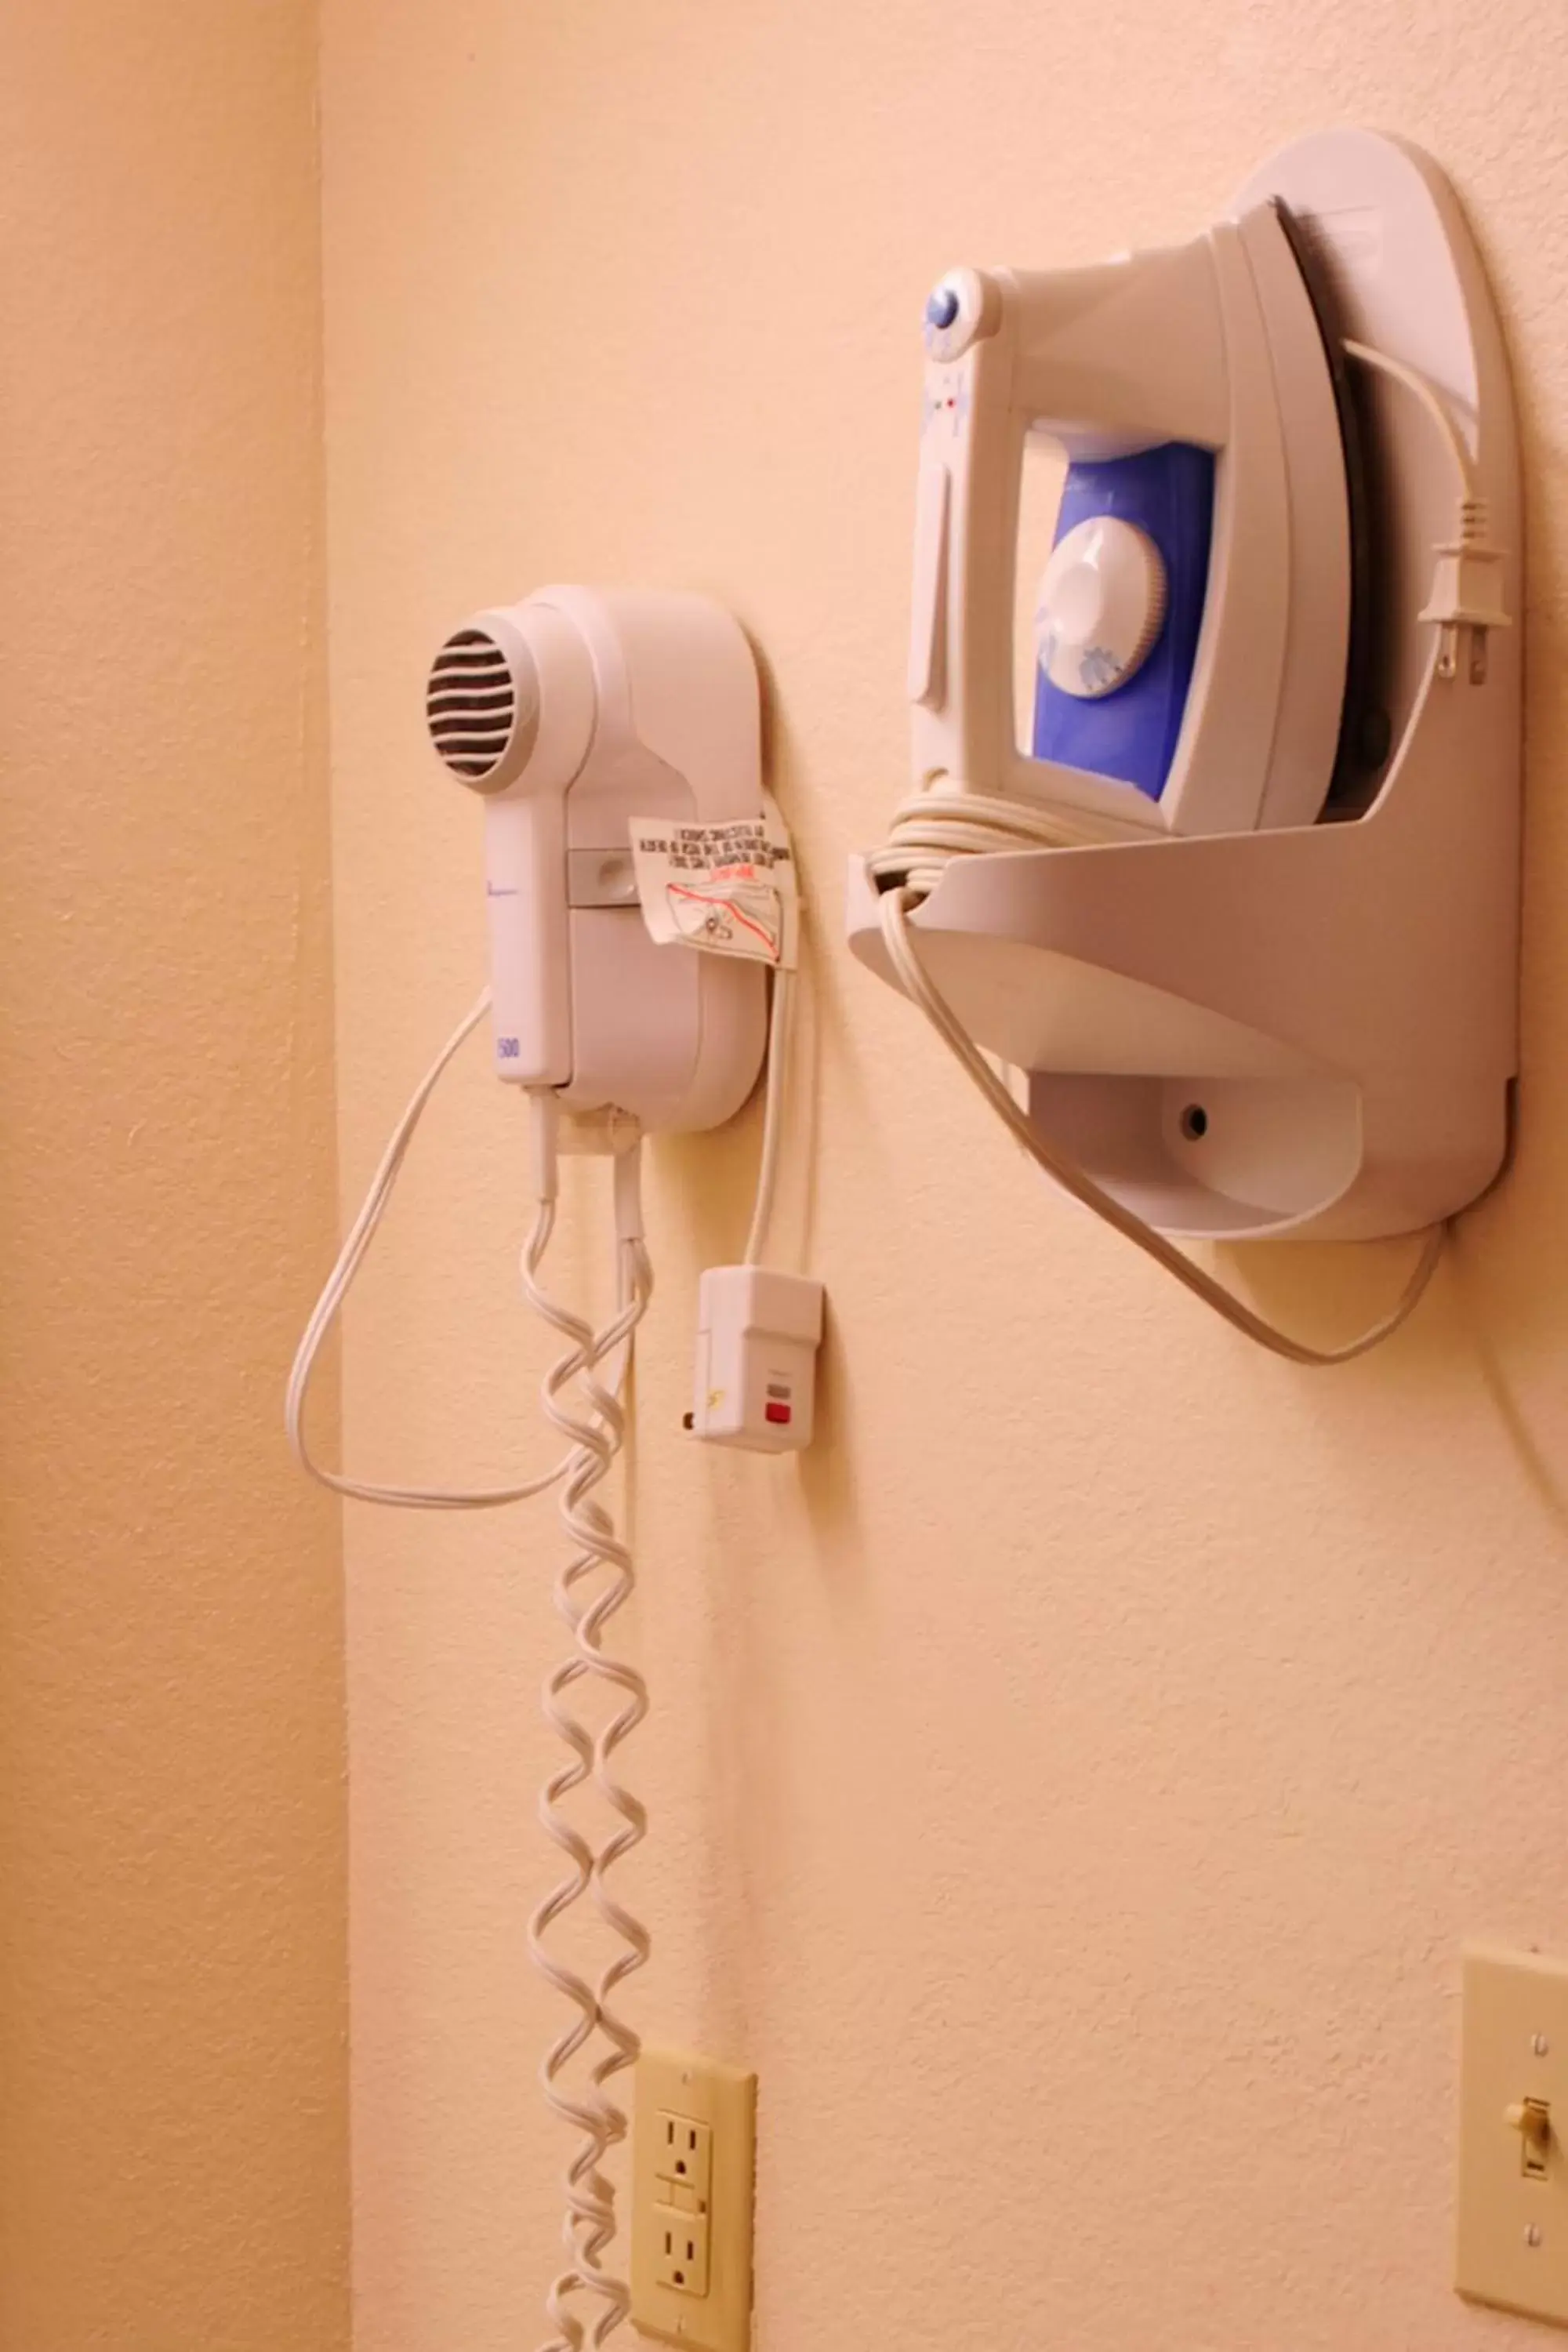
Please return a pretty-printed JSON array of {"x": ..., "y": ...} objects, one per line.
[
  {"x": 931, "y": 828},
  {"x": 594, "y": 1582}
]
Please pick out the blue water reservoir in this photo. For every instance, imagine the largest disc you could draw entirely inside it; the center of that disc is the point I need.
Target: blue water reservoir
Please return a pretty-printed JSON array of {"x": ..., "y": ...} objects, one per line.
[{"x": 1130, "y": 733}]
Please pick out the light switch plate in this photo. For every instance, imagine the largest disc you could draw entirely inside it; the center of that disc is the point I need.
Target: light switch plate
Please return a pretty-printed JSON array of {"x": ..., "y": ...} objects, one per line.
[
  {"x": 693, "y": 2155},
  {"x": 1512, "y": 2237}
]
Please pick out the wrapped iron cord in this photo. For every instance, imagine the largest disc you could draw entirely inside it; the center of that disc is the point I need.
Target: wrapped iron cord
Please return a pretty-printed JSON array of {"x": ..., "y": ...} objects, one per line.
[{"x": 896, "y": 905}]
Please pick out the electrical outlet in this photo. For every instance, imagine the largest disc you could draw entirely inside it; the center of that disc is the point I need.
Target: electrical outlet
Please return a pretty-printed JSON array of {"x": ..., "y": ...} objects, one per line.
[
  {"x": 680, "y": 2250},
  {"x": 693, "y": 2149},
  {"x": 685, "y": 2155}
]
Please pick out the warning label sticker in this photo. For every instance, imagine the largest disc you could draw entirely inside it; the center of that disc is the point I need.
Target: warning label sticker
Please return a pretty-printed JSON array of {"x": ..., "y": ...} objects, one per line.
[{"x": 728, "y": 889}]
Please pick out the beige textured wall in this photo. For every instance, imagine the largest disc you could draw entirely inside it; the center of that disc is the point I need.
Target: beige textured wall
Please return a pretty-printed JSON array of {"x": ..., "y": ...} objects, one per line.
[
  {"x": 173, "y": 2105},
  {"x": 1071, "y": 1785}
]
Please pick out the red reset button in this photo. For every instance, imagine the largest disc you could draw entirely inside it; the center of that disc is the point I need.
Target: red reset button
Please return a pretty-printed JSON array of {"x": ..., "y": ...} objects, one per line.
[{"x": 780, "y": 1413}]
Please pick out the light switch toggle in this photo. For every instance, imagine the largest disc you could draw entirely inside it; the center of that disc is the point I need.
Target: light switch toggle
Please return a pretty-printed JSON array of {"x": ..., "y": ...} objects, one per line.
[{"x": 1532, "y": 2119}]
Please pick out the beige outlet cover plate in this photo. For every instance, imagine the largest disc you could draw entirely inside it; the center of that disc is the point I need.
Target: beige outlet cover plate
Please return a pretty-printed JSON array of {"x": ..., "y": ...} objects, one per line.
[
  {"x": 720, "y": 2101},
  {"x": 1512, "y": 2237}
]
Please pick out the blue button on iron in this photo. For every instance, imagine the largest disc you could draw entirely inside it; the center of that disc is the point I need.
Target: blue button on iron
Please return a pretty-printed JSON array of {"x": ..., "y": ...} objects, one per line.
[{"x": 942, "y": 309}]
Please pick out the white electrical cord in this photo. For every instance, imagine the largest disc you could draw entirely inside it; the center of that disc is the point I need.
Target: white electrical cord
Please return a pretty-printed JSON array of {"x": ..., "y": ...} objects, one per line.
[
  {"x": 1466, "y": 589},
  {"x": 931, "y": 828},
  {"x": 328, "y": 1307},
  {"x": 1432, "y": 401},
  {"x": 895, "y": 907},
  {"x": 596, "y": 1580},
  {"x": 781, "y": 1023}
]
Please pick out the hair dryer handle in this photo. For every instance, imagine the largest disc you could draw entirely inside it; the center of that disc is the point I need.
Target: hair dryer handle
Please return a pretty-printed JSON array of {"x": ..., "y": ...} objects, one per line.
[{"x": 525, "y": 890}]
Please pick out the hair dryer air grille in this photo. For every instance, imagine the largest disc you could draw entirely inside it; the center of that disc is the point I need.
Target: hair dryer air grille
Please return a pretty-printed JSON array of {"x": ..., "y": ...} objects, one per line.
[{"x": 471, "y": 704}]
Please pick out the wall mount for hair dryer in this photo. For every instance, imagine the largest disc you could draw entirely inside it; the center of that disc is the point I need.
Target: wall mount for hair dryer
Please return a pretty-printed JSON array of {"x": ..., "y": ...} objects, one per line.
[{"x": 1277, "y": 996}]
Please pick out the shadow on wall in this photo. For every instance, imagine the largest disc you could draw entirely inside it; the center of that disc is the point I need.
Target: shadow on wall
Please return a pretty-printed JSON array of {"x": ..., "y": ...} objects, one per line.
[
  {"x": 1492, "y": 1311},
  {"x": 1490, "y": 1307}
]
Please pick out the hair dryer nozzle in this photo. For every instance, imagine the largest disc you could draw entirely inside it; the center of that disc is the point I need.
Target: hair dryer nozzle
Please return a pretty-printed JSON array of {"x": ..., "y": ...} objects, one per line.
[{"x": 482, "y": 702}]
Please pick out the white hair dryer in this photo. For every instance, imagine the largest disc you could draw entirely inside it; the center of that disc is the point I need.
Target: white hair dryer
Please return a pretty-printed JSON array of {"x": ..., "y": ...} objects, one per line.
[{"x": 573, "y": 712}]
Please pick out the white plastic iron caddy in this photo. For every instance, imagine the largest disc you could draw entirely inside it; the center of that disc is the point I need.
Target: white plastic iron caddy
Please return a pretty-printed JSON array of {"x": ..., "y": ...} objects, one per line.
[{"x": 1280, "y": 998}]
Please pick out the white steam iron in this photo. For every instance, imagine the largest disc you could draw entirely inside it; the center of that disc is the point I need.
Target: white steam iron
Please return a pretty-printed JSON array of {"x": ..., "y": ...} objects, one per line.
[{"x": 1213, "y": 832}]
